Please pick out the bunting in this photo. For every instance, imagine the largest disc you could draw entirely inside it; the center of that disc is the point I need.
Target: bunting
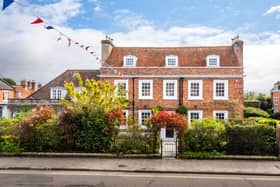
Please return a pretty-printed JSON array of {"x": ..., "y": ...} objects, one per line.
[
  {"x": 49, "y": 27},
  {"x": 37, "y": 21},
  {"x": 6, "y": 3},
  {"x": 69, "y": 41},
  {"x": 61, "y": 37}
]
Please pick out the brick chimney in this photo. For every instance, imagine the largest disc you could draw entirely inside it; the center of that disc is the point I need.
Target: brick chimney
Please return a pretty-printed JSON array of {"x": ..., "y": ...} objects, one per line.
[
  {"x": 237, "y": 46},
  {"x": 33, "y": 85},
  {"x": 23, "y": 83},
  {"x": 106, "y": 48}
]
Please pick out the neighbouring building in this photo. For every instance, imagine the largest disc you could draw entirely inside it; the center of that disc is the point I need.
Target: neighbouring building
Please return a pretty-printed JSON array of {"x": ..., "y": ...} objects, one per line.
[
  {"x": 208, "y": 80},
  {"x": 275, "y": 97},
  {"x": 51, "y": 93},
  {"x": 25, "y": 89},
  {"x": 6, "y": 92}
]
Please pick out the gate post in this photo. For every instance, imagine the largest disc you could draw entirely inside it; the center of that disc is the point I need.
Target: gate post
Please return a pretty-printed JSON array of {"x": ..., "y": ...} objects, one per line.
[
  {"x": 278, "y": 140},
  {"x": 161, "y": 148}
]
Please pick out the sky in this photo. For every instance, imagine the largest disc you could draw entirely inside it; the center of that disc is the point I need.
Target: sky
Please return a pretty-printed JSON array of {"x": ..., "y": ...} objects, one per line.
[{"x": 31, "y": 52}]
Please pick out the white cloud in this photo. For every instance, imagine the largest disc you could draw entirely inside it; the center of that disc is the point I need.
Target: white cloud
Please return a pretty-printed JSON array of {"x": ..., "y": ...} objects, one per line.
[
  {"x": 273, "y": 10},
  {"x": 129, "y": 20},
  {"x": 32, "y": 52},
  {"x": 97, "y": 8},
  {"x": 56, "y": 13}
]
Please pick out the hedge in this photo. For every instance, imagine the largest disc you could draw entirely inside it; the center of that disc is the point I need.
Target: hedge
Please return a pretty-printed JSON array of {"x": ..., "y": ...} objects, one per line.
[{"x": 250, "y": 139}]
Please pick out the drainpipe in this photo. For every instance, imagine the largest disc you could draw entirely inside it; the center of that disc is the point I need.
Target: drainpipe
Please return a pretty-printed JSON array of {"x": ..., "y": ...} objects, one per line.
[
  {"x": 133, "y": 100},
  {"x": 181, "y": 91}
]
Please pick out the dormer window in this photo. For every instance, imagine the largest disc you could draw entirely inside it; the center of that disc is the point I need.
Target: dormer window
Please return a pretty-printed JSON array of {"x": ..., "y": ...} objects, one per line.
[
  {"x": 129, "y": 61},
  {"x": 213, "y": 61},
  {"x": 171, "y": 61},
  {"x": 57, "y": 92}
]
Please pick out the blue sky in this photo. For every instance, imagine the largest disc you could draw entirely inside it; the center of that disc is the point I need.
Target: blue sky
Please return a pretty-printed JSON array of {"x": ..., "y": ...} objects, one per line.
[
  {"x": 30, "y": 52},
  {"x": 231, "y": 14}
]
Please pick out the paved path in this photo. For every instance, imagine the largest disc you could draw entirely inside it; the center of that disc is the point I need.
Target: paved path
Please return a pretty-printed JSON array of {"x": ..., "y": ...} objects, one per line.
[{"x": 143, "y": 165}]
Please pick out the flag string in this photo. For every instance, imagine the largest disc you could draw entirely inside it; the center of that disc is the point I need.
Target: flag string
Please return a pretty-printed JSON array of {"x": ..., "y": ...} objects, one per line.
[{"x": 61, "y": 35}]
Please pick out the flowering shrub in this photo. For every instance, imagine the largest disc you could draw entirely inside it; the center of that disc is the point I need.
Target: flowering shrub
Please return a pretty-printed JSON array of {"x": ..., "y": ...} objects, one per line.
[
  {"x": 29, "y": 137},
  {"x": 169, "y": 119}
]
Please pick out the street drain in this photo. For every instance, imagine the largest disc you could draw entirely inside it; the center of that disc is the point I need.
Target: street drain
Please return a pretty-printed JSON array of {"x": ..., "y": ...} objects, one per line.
[{"x": 122, "y": 166}]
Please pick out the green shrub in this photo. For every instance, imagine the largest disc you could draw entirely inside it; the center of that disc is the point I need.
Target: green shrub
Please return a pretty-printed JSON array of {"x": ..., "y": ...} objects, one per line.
[
  {"x": 93, "y": 132},
  {"x": 134, "y": 142},
  {"x": 47, "y": 136},
  {"x": 276, "y": 115},
  {"x": 27, "y": 127},
  {"x": 255, "y": 112},
  {"x": 250, "y": 139},
  {"x": 156, "y": 109},
  {"x": 206, "y": 135},
  {"x": 182, "y": 110},
  {"x": 10, "y": 144}
]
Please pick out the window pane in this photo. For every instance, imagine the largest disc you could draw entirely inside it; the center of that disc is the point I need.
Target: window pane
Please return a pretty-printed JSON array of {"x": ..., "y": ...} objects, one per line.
[
  {"x": 194, "y": 116},
  {"x": 212, "y": 62},
  {"x": 194, "y": 89},
  {"x": 171, "y": 61},
  {"x": 129, "y": 61},
  {"x": 220, "y": 89},
  {"x": 144, "y": 116},
  {"x": 220, "y": 115},
  {"x": 146, "y": 89},
  {"x": 121, "y": 89},
  {"x": 169, "y": 133},
  {"x": 170, "y": 89}
]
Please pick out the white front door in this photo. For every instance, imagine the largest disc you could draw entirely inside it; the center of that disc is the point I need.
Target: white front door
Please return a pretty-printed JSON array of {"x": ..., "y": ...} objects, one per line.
[{"x": 169, "y": 143}]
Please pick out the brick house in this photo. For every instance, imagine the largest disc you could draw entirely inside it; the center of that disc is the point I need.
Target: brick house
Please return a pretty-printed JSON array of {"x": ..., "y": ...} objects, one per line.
[
  {"x": 207, "y": 80},
  {"x": 275, "y": 97},
  {"x": 6, "y": 92},
  {"x": 50, "y": 93}
]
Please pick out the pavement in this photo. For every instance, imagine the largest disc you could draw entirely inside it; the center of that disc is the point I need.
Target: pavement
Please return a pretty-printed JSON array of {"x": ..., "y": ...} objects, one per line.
[{"x": 189, "y": 166}]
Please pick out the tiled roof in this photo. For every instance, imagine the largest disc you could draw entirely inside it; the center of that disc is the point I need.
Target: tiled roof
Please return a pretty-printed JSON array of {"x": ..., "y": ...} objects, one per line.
[
  {"x": 187, "y": 56},
  {"x": 67, "y": 76},
  {"x": 5, "y": 86}
]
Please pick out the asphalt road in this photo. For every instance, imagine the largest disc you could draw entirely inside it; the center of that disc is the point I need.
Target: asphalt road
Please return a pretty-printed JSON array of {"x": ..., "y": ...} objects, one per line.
[{"x": 31, "y": 178}]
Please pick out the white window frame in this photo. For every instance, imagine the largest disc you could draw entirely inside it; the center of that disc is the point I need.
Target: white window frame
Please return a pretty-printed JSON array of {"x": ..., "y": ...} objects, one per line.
[
  {"x": 225, "y": 97},
  {"x": 275, "y": 101},
  {"x": 124, "y": 126},
  {"x": 57, "y": 88},
  {"x": 5, "y": 96},
  {"x": 210, "y": 57},
  {"x": 171, "y": 57},
  {"x": 127, "y": 57},
  {"x": 140, "y": 117},
  {"x": 116, "y": 82},
  {"x": 175, "y": 90},
  {"x": 140, "y": 89},
  {"x": 200, "y": 114},
  {"x": 225, "y": 112},
  {"x": 200, "y": 96}
]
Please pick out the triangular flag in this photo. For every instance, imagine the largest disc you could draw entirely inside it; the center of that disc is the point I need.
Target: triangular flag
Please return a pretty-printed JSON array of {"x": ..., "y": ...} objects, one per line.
[
  {"x": 87, "y": 48},
  {"x": 6, "y": 3},
  {"x": 59, "y": 38},
  {"x": 82, "y": 46},
  {"x": 69, "y": 42},
  {"x": 77, "y": 43},
  {"x": 37, "y": 21},
  {"x": 92, "y": 52},
  {"x": 49, "y": 27}
]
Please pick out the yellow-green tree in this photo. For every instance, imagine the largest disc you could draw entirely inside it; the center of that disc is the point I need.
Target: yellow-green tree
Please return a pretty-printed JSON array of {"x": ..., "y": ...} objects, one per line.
[
  {"x": 92, "y": 94},
  {"x": 91, "y": 117}
]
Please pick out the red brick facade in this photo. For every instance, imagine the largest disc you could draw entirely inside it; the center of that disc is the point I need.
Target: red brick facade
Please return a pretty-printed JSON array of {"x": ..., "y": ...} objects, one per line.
[
  {"x": 275, "y": 97},
  {"x": 191, "y": 65}
]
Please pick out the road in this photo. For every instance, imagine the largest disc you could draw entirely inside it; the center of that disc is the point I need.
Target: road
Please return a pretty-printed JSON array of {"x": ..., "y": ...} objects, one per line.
[{"x": 11, "y": 178}]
